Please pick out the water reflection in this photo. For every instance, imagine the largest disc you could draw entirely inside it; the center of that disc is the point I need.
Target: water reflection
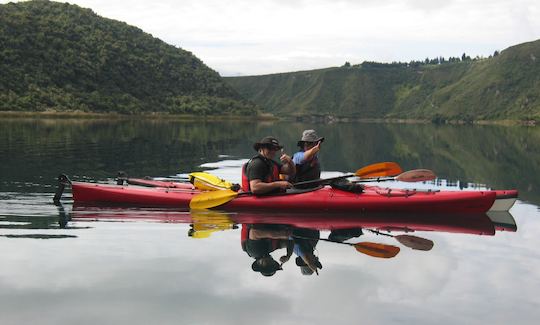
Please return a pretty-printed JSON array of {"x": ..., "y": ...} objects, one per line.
[
  {"x": 152, "y": 259},
  {"x": 39, "y": 227},
  {"x": 275, "y": 241}
]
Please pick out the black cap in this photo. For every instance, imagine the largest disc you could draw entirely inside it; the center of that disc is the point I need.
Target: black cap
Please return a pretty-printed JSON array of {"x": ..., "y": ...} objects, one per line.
[{"x": 269, "y": 142}]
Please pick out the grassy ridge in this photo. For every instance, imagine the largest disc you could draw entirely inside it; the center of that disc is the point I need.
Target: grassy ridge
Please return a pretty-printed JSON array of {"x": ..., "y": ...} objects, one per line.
[
  {"x": 57, "y": 56},
  {"x": 505, "y": 86}
]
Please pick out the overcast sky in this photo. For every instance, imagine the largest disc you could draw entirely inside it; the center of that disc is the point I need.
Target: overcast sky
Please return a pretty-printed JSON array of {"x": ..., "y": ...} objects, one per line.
[{"x": 243, "y": 37}]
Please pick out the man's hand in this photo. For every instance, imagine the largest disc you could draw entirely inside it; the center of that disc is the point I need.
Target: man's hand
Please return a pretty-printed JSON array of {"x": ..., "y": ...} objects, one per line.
[
  {"x": 286, "y": 159},
  {"x": 283, "y": 185}
]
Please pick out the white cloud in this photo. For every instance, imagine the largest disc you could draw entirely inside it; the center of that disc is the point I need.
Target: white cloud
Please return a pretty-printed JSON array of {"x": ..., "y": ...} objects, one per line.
[{"x": 267, "y": 36}]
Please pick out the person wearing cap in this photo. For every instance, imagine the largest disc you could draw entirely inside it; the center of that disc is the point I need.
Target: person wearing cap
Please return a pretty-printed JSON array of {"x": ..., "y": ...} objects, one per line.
[
  {"x": 306, "y": 160},
  {"x": 260, "y": 174},
  {"x": 305, "y": 240}
]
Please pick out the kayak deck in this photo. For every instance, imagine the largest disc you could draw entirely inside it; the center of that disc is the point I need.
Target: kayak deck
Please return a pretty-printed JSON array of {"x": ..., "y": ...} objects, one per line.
[{"x": 373, "y": 199}]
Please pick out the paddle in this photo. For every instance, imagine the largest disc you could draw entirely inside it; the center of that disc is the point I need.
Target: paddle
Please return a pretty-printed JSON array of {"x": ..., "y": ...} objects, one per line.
[
  {"x": 213, "y": 199},
  {"x": 413, "y": 242},
  {"x": 371, "y": 249},
  {"x": 415, "y": 175},
  {"x": 371, "y": 171},
  {"x": 379, "y": 169},
  {"x": 208, "y": 200}
]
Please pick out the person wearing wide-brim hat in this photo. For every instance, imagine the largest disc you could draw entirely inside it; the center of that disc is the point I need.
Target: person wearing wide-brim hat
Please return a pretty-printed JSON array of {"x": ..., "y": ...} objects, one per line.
[
  {"x": 266, "y": 265},
  {"x": 261, "y": 173},
  {"x": 259, "y": 240},
  {"x": 306, "y": 160}
]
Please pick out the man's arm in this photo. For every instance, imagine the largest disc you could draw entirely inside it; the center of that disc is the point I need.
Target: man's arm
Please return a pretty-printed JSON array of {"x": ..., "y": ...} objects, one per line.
[
  {"x": 257, "y": 172},
  {"x": 288, "y": 167},
  {"x": 309, "y": 154},
  {"x": 259, "y": 187}
]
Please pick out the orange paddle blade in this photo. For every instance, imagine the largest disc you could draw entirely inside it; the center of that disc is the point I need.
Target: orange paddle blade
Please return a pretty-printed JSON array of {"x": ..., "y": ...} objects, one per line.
[
  {"x": 417, "y": 175},
  {"x": 377, "y": 250},
  {"x": 379, "y": 169}
]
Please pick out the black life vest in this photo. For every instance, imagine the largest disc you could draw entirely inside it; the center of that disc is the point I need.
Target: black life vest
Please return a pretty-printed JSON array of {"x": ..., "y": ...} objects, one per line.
[
  {"x": 308, "y": 171},
  {"x": 272, "y": 175}
]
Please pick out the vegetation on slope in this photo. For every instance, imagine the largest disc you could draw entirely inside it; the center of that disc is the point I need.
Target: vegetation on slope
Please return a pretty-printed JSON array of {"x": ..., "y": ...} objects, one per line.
[
  {"x": 57, "y": 56},
  {"x": 505, "y": 86}
]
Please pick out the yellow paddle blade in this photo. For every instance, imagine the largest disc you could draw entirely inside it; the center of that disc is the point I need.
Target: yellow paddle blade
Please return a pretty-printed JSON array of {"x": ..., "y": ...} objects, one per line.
[
  {"x": 417, "y": 175},
  {"x": 208, "y": 182},
  {"x": 211, "y": 199},
  {"x": 377, "y": 250},
  {"x": 205, "y": 222},
  {"x": 379, "y": 169}
]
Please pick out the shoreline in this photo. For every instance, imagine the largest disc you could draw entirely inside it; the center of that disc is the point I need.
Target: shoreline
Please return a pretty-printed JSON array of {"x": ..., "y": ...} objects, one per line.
[
  {"x": 117, "y": 116},
  {"x": 336, "y": 119},
  {"x": 263, "y": 117}
]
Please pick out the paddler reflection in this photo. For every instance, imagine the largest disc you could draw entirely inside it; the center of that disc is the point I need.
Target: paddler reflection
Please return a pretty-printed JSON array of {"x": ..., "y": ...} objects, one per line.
[
  {"x": 305, "y": 241},
  {"x": 259, "y": 240},
  {"x": 291, "y": 240}
]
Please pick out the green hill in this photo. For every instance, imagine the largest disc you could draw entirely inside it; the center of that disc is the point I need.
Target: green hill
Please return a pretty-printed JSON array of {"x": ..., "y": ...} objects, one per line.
[
  {"x": 506, "y": 86},
  {"x": 57, "y": 56}
]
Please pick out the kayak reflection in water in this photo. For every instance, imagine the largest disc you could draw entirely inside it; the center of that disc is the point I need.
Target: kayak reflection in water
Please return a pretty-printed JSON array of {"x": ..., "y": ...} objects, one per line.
[{"x": 341, "y": 235}]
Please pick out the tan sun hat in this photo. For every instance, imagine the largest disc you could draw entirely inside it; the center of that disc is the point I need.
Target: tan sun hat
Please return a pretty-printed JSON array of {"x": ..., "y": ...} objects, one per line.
[{"x": 309, "y": 136}]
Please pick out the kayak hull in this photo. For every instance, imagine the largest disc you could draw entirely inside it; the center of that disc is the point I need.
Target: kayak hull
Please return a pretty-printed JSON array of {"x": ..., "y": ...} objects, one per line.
[{"x": 325, "y": 199}]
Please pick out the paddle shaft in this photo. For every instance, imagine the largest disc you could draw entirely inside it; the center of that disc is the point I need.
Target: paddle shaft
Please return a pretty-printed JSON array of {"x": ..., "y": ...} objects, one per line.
[
  {"x": 371, "y": 249},
  {"x": 413, "y": 242},
  {"x": 328, "y": 240},
  {"x": 323, "y": 180},
  {"x": 209, "y": 200},
  {"x": 380, "y": 233},
  {"x": 378, "y": 179}
]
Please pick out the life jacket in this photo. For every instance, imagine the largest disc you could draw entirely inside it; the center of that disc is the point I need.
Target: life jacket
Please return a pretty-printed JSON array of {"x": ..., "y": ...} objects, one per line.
[
  {"x": 272, "y": 174},
  {"x": 308, "y": 171},
  {"x": 259, "y": 247}
]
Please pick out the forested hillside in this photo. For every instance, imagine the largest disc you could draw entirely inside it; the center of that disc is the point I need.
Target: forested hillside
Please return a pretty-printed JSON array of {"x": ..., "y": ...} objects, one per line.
[
  {"x": 60, "y": 57},
  {"x": 503, "y": 86}
]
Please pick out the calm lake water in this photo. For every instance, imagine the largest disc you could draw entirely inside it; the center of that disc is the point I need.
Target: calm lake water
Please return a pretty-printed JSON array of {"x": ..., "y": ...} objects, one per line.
[{"x": 68, "y": 264}]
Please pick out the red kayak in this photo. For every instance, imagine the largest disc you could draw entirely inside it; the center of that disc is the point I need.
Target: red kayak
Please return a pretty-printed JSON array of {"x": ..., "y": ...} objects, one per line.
[
  {"x": 374, "y": 199},
  {"x": 154, "y": 183}
]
